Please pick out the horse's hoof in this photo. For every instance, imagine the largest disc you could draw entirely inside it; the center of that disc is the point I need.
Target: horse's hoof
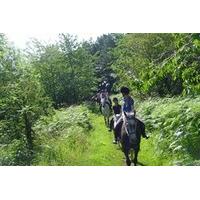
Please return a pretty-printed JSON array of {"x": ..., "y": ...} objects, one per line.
[
  {"x": 128, "y": 162},
  {"x": 135, "y": 163}
]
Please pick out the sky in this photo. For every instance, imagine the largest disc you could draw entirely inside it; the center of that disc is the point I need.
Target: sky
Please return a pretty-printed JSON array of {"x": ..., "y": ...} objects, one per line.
[{"x": 20, "y": 39}]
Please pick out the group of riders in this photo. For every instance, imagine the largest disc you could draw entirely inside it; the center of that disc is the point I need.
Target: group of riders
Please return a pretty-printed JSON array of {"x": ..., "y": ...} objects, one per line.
[{"x": 121, "y": 119}]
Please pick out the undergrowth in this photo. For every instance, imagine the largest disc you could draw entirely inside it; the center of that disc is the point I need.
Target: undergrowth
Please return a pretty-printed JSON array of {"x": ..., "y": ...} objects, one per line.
[
  {"x": 173, "y": 124},
  {"x": 63, "y": 137}
]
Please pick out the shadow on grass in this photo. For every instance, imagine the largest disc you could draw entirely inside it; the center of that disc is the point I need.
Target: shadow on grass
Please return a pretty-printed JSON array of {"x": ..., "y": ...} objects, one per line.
[{"x": 141, "y": 164}]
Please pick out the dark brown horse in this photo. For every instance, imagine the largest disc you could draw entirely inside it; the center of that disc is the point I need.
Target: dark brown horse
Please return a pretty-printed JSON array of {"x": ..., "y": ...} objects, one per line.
[{"x": 131, "y": 131}]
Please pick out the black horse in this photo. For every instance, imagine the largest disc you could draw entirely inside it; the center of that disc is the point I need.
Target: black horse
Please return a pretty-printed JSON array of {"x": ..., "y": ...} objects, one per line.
[{"x": 132, "y": 129}]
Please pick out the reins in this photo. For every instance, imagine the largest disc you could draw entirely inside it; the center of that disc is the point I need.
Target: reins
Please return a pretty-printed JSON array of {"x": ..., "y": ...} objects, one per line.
[{"x": 127, "y": 132}]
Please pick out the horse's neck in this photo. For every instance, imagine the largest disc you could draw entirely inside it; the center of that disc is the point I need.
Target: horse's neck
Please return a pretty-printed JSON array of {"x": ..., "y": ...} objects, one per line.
[
  {"x": 126, "y": 121},
  {"x": 123, "y": 130}
]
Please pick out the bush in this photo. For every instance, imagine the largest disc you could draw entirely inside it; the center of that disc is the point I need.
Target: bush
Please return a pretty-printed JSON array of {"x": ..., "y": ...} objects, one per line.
[
  {"x": 174, "y": 126},
  {"x": 62, "y": 138}
]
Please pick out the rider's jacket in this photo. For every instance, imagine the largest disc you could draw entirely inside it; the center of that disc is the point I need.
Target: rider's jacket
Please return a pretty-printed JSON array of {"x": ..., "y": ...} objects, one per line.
[{"x": 128, "y": 104}]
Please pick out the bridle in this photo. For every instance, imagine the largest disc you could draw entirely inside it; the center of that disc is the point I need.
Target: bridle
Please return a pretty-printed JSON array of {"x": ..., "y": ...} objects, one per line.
[{"x": 126, "y": 123}]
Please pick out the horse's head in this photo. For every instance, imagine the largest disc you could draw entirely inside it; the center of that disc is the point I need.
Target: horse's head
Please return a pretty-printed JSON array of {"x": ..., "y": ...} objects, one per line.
[{"x": 130, "y": 123}]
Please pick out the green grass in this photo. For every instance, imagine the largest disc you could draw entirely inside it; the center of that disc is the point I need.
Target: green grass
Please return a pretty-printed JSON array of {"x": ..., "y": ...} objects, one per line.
[
  {"x": 72, "y": 144},
  {"x": 101, "y": 151},
  {"x": 62, "y": 138},
  {"x": 75, "y": 144},
  {"x": 77, "y": 136}
]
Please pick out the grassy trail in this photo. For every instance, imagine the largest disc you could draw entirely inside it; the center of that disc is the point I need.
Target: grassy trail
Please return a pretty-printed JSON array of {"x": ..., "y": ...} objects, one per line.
[
  {"x": 66, "y": 138},
  {"x": 76, "y": 146},
  {"x": 102, "y": 152}
]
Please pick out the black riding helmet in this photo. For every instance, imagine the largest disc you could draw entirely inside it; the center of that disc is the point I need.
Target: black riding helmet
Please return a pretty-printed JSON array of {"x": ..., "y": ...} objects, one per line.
[{"x": 125, "y": 90}]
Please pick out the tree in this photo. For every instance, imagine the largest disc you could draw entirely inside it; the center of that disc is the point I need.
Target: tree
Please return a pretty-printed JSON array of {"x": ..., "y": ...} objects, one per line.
[
  {"x": 138, "y": 56},
  {"x": 102, "y": 50},
  {"x": 66, "y": 70},
  {"x": 22, "y": 103}
]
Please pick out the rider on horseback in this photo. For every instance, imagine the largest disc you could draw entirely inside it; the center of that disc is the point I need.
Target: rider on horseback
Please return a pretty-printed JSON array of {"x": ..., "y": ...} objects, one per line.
[
  {"x": 117, "y": 111},
  {"x": 105, "y": 95},
  {"x": 128, "y": 102},
  {"x": 127, "y": 107}
]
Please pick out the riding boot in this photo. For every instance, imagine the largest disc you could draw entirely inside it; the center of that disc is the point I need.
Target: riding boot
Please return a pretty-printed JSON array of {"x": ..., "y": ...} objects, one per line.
[{"x": 111, "y": 124}]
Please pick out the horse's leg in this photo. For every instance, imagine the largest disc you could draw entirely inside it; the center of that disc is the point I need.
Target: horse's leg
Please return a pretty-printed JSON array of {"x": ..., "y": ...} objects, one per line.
[
  {"x": 126, "y": 149},
  {"x": 131, "y": 152},
  {"x": 111, "y": 125},
  {"x": 128, "y": 161},
  {"x": 115, "y": 135},
  {"x": 136, "y": 157},
  {"x": 108, "y": 121}
]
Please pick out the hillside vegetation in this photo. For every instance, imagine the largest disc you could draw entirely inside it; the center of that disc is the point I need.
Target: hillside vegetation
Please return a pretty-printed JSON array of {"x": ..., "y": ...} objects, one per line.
[
  {"x": 77, "y": 136},
  {"x": 173, "y": 124},
  {"x": 43, "y": 89}
]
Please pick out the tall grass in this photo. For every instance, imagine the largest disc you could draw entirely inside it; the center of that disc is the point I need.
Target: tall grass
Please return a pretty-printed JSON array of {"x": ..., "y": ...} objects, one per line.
[
  {"x": 63, "y": 137},
  {"x": 77, "y": 136},
  {"x": 174, "y": 126}
]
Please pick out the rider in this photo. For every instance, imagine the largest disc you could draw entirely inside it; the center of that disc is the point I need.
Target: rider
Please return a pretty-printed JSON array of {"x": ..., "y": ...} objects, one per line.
[
  {"x": 117, "y": 114},
  {"x": 104, "y": 87},
  {"x": 104, "y": 94},
  {"x": 128, "y": 106},
  {"x": 128, "y": 102},
  {"x": 117, "y": 111}
]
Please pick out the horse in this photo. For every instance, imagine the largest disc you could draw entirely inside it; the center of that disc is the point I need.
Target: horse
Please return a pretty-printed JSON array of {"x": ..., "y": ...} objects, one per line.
[
  {"x": 106, "y": 111},
  {"x": 96, "y": 98},
  {"x": 131, "y": 131}
]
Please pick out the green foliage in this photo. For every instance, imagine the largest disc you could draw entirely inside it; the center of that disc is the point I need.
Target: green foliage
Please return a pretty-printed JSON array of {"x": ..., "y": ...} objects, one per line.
[
  {"x": 181, "y": 70},
  {"x": 63, "y": 137},
  {"x": 68, "y": 72},
  {"x": 65, "y": 70},
  {"x": 102, "y": 49},
  {"x": 158, "y": 64},
  {"x": 134, "y": 56},
  {"x": 22, "y": 102},
  {"x": 174, "y": 127}
]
